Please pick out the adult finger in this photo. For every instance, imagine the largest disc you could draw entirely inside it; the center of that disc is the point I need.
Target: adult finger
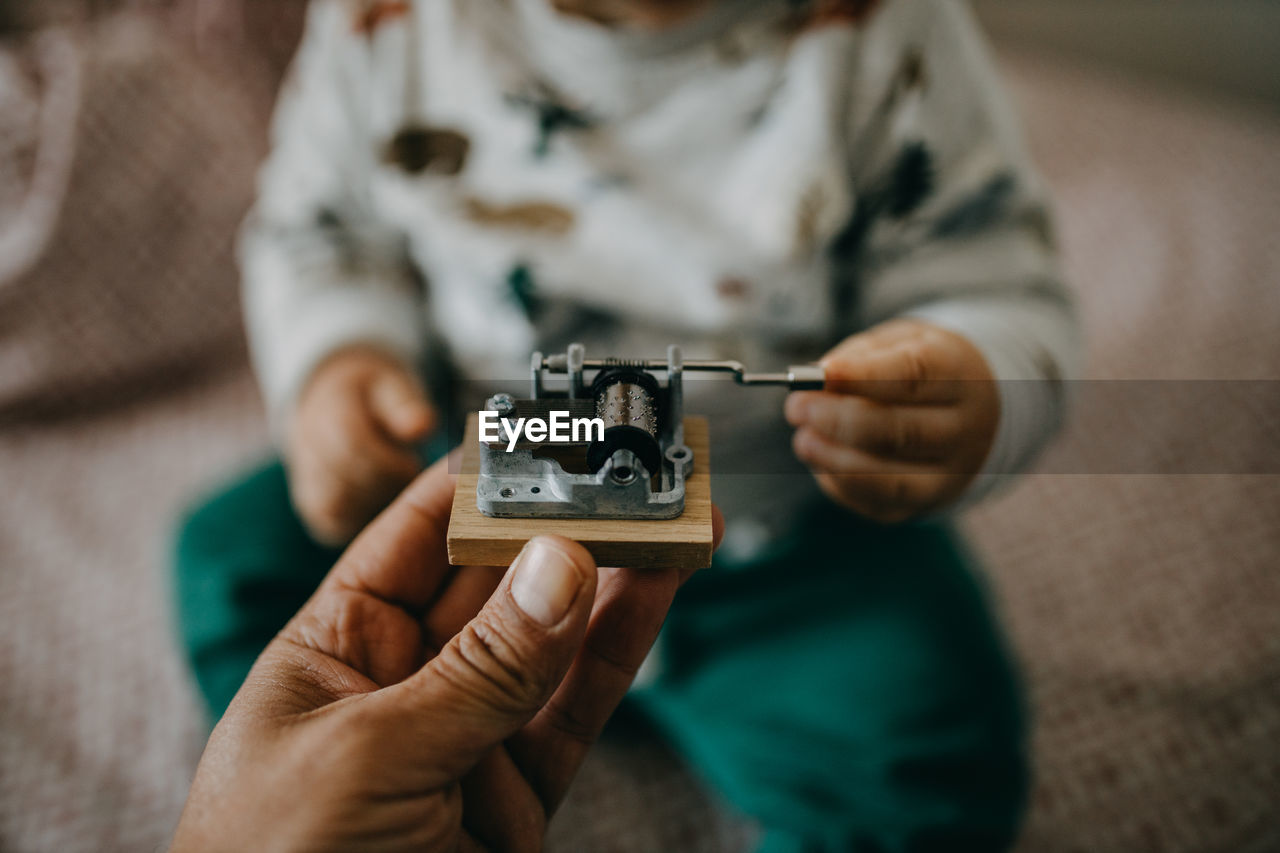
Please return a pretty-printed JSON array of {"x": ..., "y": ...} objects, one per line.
[
  {"x": 916, "y": 433},
  {"x": 464, "y": 594},
  {"x": 500, "y": 669},
  {"x": 502, "y": 810},
  {"x": 630, "y": 608},
  {"x": 402, "y": 555}
]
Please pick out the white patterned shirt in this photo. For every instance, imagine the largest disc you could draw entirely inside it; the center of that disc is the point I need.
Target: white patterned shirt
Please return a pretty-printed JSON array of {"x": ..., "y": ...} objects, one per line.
[{"x": 476, "y": 179}]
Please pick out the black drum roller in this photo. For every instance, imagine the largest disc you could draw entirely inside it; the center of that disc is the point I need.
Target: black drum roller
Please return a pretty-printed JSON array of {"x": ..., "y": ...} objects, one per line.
[{"x": 627, "y": 401}]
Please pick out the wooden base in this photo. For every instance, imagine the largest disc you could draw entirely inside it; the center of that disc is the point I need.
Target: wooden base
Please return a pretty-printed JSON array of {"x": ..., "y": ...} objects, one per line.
[{"x": 685, "y": 542}]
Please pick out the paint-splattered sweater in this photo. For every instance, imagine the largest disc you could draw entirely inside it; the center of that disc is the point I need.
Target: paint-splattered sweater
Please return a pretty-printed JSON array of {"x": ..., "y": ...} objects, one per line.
[{"x": 480, "y": 178}]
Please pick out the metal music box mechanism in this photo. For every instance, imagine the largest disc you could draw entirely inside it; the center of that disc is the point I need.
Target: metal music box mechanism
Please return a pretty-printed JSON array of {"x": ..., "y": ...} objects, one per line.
[{"x": 635, "y": 468}]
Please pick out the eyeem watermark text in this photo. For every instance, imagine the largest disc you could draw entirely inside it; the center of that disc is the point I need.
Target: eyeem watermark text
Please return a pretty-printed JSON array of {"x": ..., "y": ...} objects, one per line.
[{"x": 559, "y": 429}]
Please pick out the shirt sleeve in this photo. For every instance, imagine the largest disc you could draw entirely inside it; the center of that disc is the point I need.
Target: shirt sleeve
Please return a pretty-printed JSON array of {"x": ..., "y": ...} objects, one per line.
[
  {"x": 953, "y": 225},
  {"x": 320, "y": 270}
]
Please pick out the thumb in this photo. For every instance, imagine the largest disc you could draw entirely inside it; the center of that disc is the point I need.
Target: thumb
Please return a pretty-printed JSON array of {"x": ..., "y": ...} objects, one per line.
[
  {"x": 501, "y": 668},
  {"x": 400, "y": 406}
]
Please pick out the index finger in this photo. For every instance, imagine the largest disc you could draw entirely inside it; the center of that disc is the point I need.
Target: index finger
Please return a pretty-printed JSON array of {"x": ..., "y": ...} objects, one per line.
[
  {"x": 401, "y": 557},
  {"x": 630, "y": 608},
  {"x": 907, "y": 371}
]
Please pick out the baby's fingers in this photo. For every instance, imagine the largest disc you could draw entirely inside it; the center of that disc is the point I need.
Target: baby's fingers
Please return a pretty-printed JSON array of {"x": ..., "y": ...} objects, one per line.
[
  {"x": 399, "y": 405},
  {"x": 344, "y": 472},
  {"x": 906, "y": 361},
  {"x": 321, "y": 501},
  {"x": 829, "y": 457},
  {"x": 912, "y": 433},
  {"x": 354, "y": 446},
  {"x": 884, "y": 490}
]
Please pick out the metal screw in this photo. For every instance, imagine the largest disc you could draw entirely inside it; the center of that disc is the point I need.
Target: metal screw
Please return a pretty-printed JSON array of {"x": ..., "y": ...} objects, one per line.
[{"x": 504, "y": 404}]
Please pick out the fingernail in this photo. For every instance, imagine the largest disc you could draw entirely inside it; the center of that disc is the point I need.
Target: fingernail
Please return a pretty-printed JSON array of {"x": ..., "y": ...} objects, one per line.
[{"x": 545, "y": 582}]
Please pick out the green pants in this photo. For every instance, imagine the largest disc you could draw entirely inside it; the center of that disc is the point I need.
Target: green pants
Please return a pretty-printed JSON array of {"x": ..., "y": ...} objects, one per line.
[{"x": 850, "y": 692}]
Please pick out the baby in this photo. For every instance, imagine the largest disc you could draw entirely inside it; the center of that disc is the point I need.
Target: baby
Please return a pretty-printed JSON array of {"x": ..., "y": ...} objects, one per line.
[{"x": 455, "y": 183}]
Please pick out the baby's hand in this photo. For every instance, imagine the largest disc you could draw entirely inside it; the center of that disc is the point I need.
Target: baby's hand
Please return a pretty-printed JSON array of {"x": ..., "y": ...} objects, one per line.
[
  {"x": 349, "y": 448},
  {"x": 909, "y": 416}
]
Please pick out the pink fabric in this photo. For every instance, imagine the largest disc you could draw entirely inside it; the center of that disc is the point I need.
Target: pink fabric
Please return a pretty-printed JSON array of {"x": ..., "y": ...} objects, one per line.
[{"x": 139, "y": 134}]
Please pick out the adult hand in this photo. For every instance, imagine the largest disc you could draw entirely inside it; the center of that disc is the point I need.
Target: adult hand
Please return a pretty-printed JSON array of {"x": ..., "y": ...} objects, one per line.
[
  {"x": 906, "y": 421},
  {"x": 411, "y": 705},
  {"x": 349, "y": 447}
]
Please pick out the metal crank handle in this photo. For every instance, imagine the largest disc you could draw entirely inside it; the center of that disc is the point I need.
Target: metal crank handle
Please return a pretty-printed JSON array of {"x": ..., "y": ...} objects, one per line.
[{"x": 800, "y": 377}]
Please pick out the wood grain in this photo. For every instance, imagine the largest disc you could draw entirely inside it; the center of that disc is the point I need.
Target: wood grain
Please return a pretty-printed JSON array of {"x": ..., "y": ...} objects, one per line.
[{"x": 685, "y": 542}]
